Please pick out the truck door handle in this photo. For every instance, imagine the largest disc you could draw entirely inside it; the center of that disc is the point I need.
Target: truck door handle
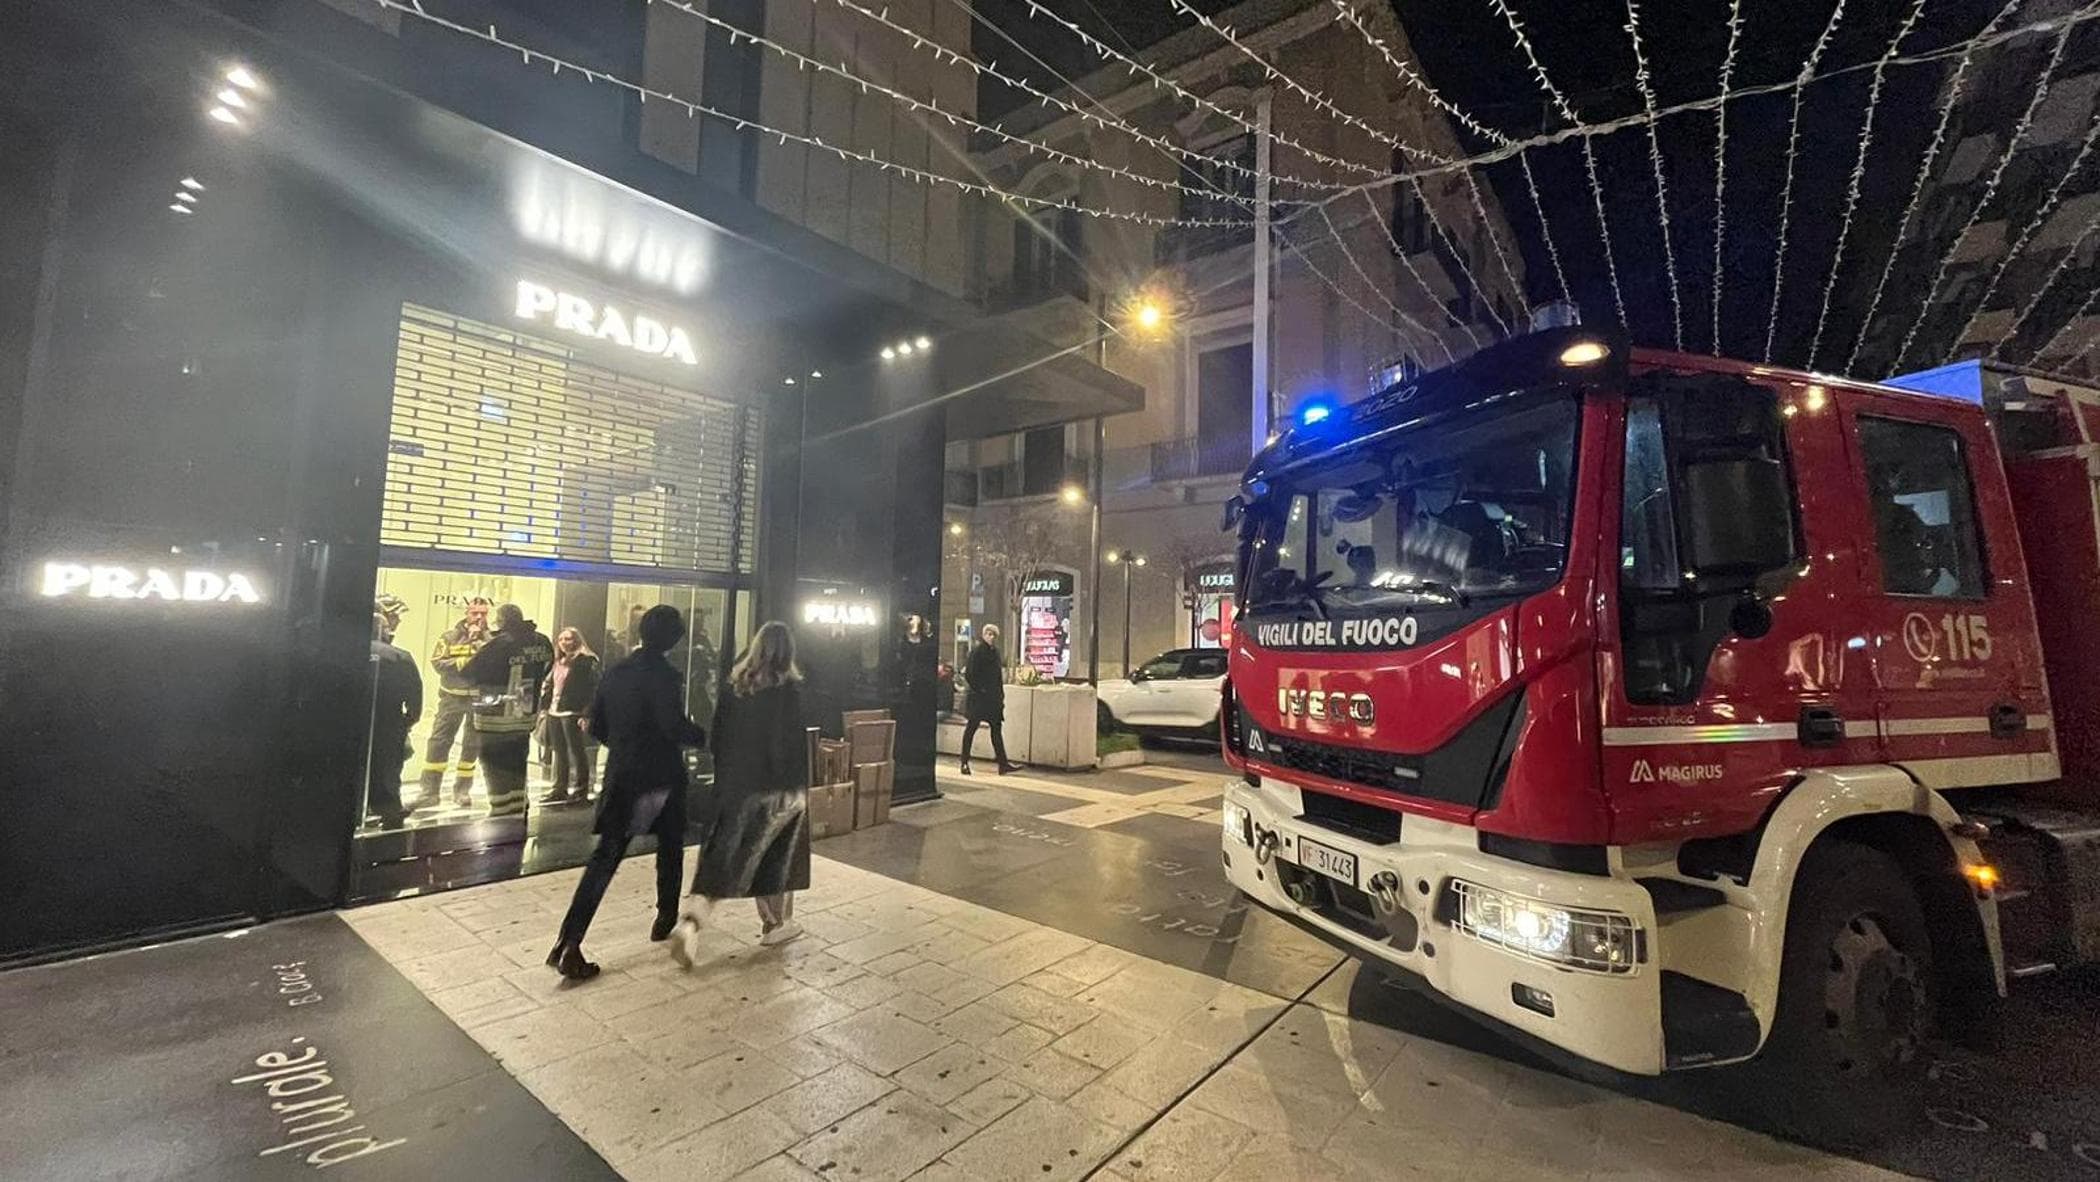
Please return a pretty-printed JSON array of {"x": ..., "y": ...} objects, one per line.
[
  {"x": 2008, "y": 721},
  {"x": 1820, "y": 726}
]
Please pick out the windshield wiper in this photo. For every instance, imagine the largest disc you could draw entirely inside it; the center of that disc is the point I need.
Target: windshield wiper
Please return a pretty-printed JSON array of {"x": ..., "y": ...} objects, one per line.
[{"x": 1419, "y": 588}]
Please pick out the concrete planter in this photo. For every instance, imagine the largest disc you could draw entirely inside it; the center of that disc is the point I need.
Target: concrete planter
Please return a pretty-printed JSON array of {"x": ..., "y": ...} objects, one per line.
[
  {"x": 1116, "y": 759},
  {"x": 1049, "y": 726}
]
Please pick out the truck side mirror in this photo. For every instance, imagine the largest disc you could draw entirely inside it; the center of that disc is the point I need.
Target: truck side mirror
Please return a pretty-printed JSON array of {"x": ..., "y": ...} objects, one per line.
[
  {"x": 1738, "y": 517},
  {"x": 1235, "y": 508}
]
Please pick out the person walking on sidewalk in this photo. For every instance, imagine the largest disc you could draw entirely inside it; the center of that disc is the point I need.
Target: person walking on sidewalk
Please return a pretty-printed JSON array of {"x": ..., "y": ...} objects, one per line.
[
  {"x": 639, "y": 715},
  {"x": 507, "y": 675},
  {"x": 570, "y": 689},
  {"x": 985, "y": 702},
  {"x": 756, "y": 843}
]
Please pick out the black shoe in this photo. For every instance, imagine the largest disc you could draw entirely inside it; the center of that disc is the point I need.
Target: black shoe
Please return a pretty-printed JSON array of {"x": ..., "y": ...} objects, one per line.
[
  {"x": 556, "y": 797},
  {"x": 666, "y": 922},
  {"x": 567, "y": 959},
  {"x": 429, "y": 800},
  {"x": 1007, "y": 769},
  {"x": 966, "y": 767}
]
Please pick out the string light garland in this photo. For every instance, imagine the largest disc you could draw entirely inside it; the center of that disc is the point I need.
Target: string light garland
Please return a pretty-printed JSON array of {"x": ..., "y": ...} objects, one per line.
[
  {"x": 1413, "y": 78},
  {"x": 1735, "y": 32},
  {"x": 528, "y": 55},
  {"x": 1305, "y": 257},
  {"x": 1327, "y": 105},
  {"x": 1589, "y": 152},
  {"x": 1407, "y": 261},
  {"x": 1458, "y": 256},
  {"x": 942, "y": 53},
  {"x": 1417, "y": 325},
  {"x": 1560, "y": 277},
  {"x": 1655, "y": 162},
  {"x": 1786, "y": 193},
  {"x": 1859, "y": 175},
  {"x": 2062, "y": 264},
  {"x": 1990, "y": 188},
  {"x": 2027, "y": 232},
  {"x": 1952, "y": 98},
  {"x": 1160, "y": 81},
  {"x": 1318, "y": 100},
  {"x": 923, "y": 106}
]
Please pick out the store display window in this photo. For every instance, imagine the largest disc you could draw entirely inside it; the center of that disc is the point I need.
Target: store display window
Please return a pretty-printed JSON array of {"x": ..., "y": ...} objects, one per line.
[
  {"x": 1212, "y": 591},
  {"x": 423, "y": 765},
  {"x": 1046, "y": 622}
]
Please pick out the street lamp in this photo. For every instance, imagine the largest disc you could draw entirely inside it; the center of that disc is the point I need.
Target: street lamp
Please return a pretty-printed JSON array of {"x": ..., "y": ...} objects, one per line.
[{"x": 1129, "y": 560}]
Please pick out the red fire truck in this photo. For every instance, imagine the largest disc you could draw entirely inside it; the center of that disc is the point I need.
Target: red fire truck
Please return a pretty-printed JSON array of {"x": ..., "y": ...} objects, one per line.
[{"x": 1675, "y": 712}]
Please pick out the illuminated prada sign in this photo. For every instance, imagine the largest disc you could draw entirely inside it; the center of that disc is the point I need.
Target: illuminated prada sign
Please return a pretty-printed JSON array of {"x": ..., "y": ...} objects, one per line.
[
  {"x": 79, "y": 580},
  {"x": 602, "y": 322},
  {"x": 843, "y": 612}
]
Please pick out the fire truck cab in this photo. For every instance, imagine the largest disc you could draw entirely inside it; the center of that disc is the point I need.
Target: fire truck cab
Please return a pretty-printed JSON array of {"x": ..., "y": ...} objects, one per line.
[{"x": 1672, "y": 711}]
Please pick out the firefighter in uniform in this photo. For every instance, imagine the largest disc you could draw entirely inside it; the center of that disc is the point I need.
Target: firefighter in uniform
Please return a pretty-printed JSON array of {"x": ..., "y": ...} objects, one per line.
[
  {"x": 507, "y": 675},
  {"x": 455, "y": 702}
]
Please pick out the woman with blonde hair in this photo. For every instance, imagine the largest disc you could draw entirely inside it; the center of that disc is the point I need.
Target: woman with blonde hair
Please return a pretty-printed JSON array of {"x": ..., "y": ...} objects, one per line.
[{"x": 756, "y": 843}]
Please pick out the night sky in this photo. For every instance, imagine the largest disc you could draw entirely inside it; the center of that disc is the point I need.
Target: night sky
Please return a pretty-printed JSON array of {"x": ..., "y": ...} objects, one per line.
[{"x": 1469, "y": 54}]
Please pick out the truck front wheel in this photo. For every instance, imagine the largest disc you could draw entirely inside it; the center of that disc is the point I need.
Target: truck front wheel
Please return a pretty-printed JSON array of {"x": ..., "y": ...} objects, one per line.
[{"x": 1855, "y": 999}]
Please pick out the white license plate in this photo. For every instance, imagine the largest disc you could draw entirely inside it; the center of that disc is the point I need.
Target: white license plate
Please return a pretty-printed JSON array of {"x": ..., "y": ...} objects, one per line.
[{"x": 1326, "y": 860}]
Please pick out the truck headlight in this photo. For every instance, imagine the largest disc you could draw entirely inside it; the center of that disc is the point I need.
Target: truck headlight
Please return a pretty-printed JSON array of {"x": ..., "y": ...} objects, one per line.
[
  {"x": 1571, "y": 937},
  {"x": 1239, "y": 823}
]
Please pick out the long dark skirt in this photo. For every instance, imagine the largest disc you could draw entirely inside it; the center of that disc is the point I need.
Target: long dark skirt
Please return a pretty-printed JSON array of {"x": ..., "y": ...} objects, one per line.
[{"x": 758, "y": 844}]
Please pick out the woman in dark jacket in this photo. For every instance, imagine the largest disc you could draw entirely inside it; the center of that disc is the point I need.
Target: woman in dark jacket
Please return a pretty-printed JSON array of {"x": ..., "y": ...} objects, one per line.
[
  {"x": 570, "y": 688},
  {"x": 985, "y": 702},
  {"x": 757, "y": 841},
  {"x": 639, "y": 714}
]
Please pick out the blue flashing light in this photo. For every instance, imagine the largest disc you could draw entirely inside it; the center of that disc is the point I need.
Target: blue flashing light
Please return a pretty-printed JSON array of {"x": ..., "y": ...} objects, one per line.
[{"x": 1314, "y": 412}]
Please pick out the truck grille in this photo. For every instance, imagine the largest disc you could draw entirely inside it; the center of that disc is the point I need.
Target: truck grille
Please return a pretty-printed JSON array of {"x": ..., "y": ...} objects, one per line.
[{"x": 1370, "y": 769}]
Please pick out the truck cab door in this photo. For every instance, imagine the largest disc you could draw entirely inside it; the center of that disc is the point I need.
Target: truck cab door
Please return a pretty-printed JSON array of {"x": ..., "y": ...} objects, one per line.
[
  {"x": 1947, "y": 617},
  {"x": 1715, "y": 697}
]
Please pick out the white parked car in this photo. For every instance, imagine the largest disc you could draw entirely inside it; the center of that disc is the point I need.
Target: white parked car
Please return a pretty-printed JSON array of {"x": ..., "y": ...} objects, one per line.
[{"x": 1174, "y": 693}]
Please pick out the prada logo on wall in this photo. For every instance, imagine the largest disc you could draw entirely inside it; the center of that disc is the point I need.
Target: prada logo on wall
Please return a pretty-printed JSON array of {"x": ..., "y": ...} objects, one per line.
[
  {"x": 602, "y": 322},
  {"x": 82, "y": 580}
]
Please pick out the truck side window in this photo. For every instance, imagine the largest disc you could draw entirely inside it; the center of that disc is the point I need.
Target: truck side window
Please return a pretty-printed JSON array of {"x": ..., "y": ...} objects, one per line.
[
  {"x": 1924, "y": 510},
  {"x": 1647, "y": 522}
]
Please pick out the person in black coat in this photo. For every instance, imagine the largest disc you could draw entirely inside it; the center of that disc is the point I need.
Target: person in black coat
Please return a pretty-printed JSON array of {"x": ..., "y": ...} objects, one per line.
[
  {"x": 639, "y": 714},
  {"x": 756, "y": 843},
  {"x": 570, "y": 690},
  {"x": 984, "y": 703},
  {"x": 397, "y": 702}
]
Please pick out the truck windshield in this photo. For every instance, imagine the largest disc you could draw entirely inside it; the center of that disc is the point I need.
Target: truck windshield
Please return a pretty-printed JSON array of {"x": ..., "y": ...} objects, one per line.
[{"x": 1473, "y": 506}]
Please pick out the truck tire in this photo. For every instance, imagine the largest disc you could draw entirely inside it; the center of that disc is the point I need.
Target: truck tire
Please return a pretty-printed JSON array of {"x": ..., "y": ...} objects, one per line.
[{"x": 1845, "y": 1062}]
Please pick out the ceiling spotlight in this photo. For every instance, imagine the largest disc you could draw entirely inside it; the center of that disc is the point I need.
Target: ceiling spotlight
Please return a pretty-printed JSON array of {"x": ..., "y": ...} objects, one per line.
[
  {"x": 816, "y": 373},
  {"x": 225, "y": 116},
  {"x": 232, "y": 98},
  {"x": 904, "y": 349},
  {"x": 193, "y": 184},
  {"x": 240, "y": 77},
  {"x": 923, "y": 343},
  {"x": 184, "y": 195},
  {"x": 889, "y": 353},
  {"x": 787, "y": 381},
  {"x": 179, "y": 207}
]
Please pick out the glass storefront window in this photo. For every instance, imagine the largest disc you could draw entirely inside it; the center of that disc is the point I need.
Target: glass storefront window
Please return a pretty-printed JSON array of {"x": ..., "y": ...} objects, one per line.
[{"x": 424, "y": 787}]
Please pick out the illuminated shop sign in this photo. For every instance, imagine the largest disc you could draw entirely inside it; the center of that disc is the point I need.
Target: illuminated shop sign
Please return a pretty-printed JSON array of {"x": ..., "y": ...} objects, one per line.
[
  {"x": 848, "y": 613},
  {"x": 80, "y": 580},
  {"x": 1214, "y": 580},
  {"x": 602, "y": 322},
  {"x": 1047, "y": 583}
]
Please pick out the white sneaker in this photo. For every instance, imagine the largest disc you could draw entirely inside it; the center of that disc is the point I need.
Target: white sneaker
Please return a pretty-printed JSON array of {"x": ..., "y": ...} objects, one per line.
[
  {"x": 685, "y": 941},
  {"x": 781, "y": 934}
]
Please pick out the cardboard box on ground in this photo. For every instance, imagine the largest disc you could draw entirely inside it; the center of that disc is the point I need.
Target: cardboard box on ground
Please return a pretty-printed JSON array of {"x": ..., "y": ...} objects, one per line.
[{"x": 851, "y": 780}]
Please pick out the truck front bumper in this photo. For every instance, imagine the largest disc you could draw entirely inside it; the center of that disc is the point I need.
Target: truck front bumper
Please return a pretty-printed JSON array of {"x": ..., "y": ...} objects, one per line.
[{"x": 1407, "y": 913}]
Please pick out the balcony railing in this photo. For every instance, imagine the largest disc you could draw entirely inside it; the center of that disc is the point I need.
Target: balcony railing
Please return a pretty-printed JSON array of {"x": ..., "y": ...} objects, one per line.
[{"x": 1193, "y": 458}]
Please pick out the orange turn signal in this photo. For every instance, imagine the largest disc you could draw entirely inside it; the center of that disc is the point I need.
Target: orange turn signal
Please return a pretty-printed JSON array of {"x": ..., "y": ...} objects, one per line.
[{"x": 1983, "y": 874}]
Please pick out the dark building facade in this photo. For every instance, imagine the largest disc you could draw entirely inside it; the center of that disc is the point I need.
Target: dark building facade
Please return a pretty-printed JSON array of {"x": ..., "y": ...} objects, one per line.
[{"x": 402, "y": 321}]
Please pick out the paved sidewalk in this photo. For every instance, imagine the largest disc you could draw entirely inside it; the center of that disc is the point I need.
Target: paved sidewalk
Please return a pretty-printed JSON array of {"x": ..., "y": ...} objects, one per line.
[{"x": 915, "y": 1035}]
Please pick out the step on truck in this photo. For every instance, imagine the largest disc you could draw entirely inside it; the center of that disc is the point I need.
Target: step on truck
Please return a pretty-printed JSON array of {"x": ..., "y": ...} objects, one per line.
[{"x": 1672, "y": 712}]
